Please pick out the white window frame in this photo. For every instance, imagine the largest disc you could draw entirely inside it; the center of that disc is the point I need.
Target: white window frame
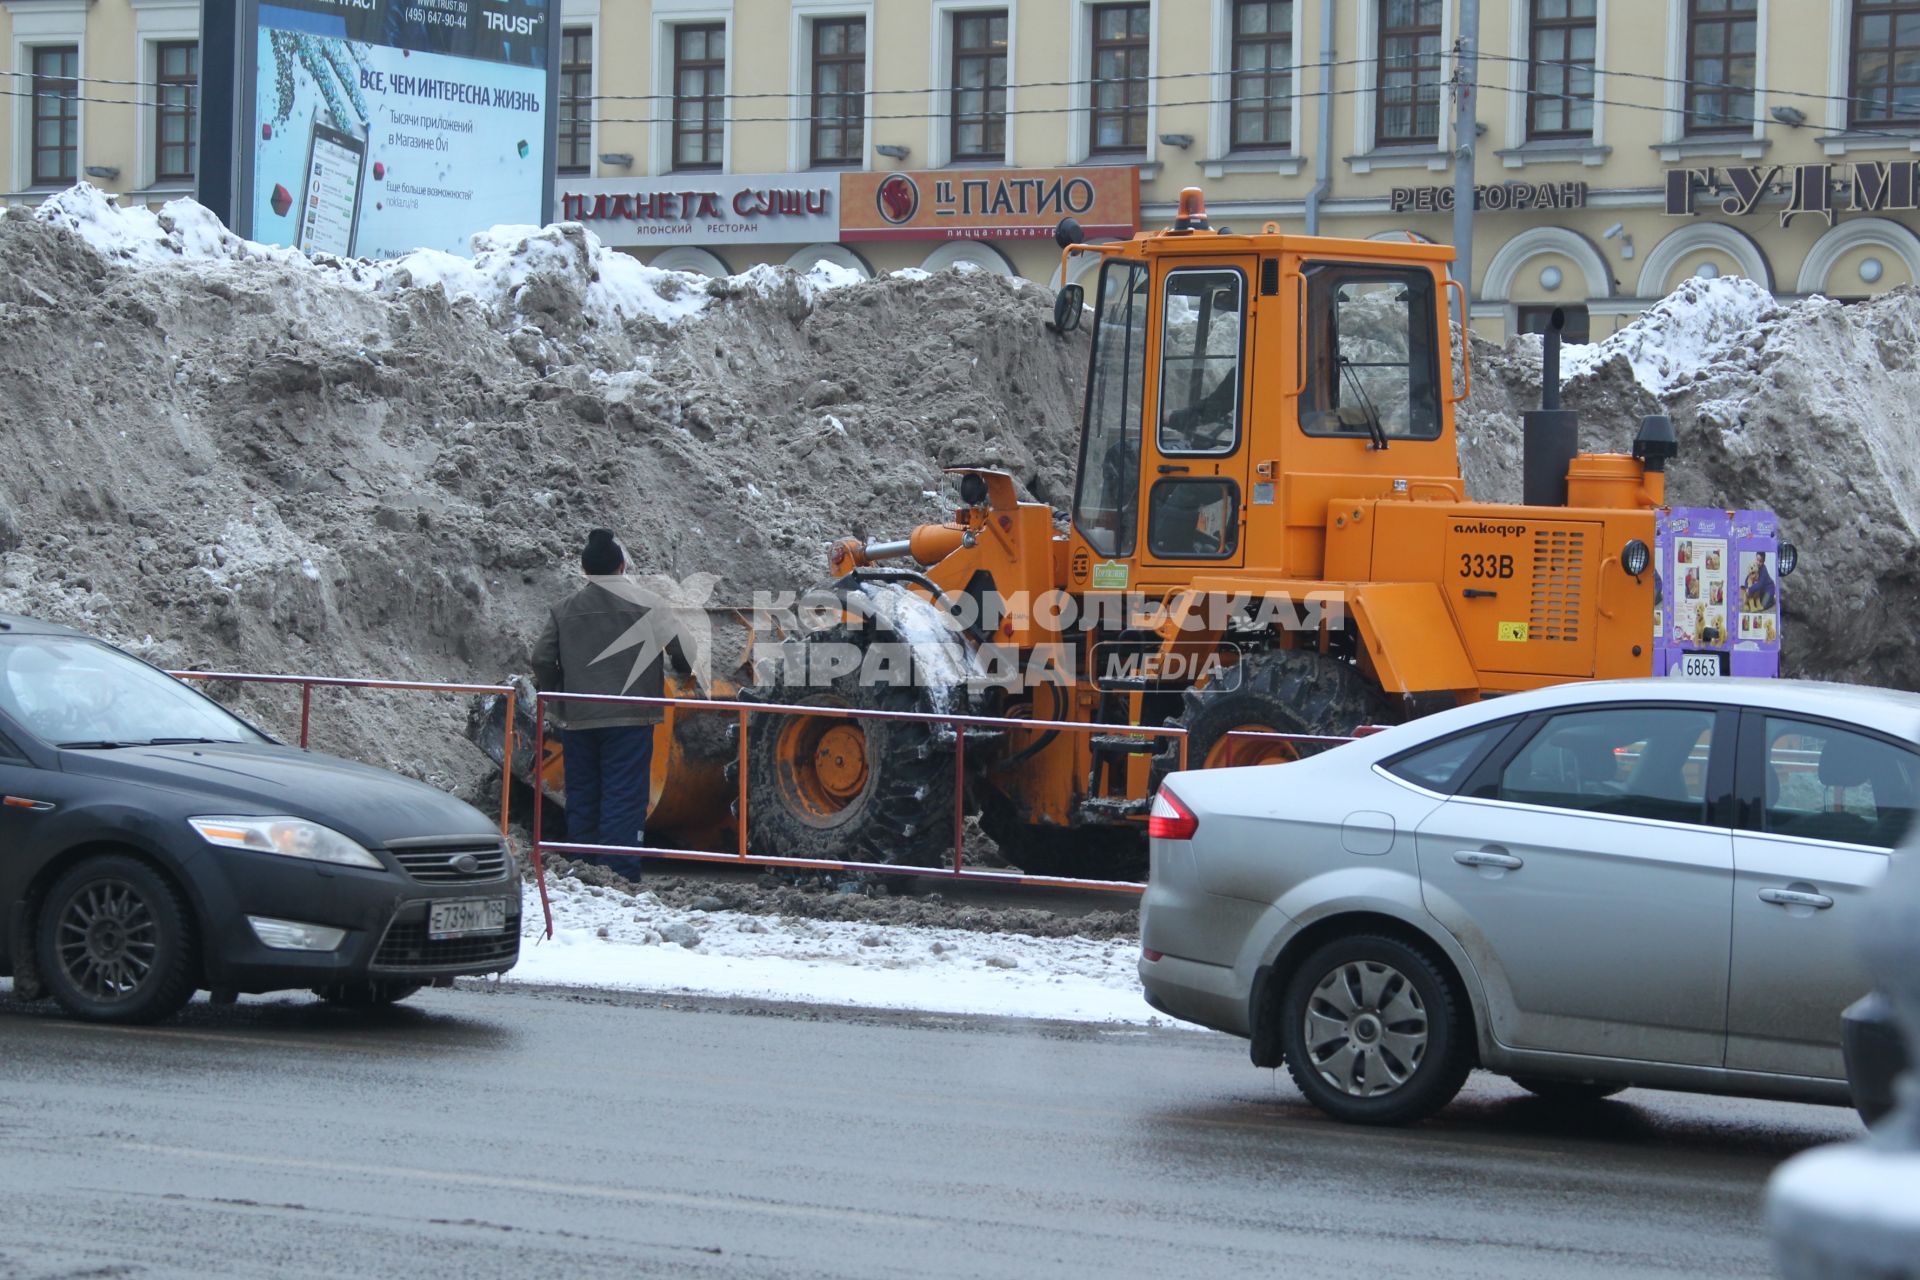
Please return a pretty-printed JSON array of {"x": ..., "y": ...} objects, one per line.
[
  {"x": 1223, "y": 159},
  {"x": 576, "y": 14},
  {"x": 1520, "y": 51},
  {"x": 1080, "y": 93},
  {"x": 668, "y": 14},
  {"x": 36, "y": 26},
  {"x": 1674, "y": 143},
  {"x": 1366, "y": 155},
  {"x": 1840, "y": 84},
  {"x": 157, "y": 22},
  {"x": 940, "y": 76},
  {"x": 800, "y": 81}
]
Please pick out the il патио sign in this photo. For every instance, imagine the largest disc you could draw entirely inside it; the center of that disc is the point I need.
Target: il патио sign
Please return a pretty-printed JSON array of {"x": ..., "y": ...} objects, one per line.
[{"x": 1821, "y": 190}]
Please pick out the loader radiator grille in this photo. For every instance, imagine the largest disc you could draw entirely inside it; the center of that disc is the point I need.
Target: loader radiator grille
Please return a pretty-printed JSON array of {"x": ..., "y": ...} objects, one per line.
[{"x": 1558, "y": 556}]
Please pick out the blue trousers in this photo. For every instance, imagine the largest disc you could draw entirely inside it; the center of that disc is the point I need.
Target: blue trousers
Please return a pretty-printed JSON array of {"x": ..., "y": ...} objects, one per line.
[{"x": 609, "y": 777}]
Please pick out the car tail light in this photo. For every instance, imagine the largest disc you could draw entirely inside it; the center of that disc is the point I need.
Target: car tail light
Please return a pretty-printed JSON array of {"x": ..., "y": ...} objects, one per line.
[
  {"x": 1153, "y": 955},
  {"x": 1171, "y": 820}
]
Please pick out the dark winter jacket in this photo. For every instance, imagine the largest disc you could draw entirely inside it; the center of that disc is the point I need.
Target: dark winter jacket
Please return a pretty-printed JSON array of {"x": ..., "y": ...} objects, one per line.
[{"x": 573, "y": 656}]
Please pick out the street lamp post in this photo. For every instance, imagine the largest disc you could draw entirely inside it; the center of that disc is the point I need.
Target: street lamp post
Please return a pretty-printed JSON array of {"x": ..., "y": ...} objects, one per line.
[
  {"x": 1852, "y": 1211},
  {"x": 1465, "y": 134}
]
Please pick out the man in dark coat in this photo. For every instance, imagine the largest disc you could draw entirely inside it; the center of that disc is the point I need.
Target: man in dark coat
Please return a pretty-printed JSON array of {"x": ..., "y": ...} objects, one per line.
[{"x": 611, "y": 637}]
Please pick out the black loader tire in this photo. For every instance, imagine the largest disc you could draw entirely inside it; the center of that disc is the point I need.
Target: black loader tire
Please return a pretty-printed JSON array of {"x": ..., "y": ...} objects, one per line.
[
  {"x": 1410, "y": 1087},
  {"x": 1089, "y": 852},
  {"x": 367, "y": 993},
  {"x": 1567, "y": 1092},
  {"x": 902, "y": 811},
  {"x": 1283, "y": 691},
  {"x": 117, "y": 942}
]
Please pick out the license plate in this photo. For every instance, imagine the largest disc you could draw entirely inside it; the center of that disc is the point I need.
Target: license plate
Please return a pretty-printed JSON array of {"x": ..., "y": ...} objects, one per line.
[
  {"x": 1700, "y": 664},
  {"x": 466, "y": 917}
]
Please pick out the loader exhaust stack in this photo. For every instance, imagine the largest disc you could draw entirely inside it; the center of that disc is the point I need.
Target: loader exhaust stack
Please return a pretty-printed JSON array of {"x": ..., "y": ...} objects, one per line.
[{"x": 1550, "y": 435}]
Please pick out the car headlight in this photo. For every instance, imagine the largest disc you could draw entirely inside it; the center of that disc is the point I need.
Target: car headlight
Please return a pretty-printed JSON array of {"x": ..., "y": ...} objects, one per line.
[{"x": 288, "y": 837}]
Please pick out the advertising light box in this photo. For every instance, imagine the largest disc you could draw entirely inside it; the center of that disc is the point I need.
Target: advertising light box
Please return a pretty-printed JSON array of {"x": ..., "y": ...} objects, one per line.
[{"x": 370, "y": 128}]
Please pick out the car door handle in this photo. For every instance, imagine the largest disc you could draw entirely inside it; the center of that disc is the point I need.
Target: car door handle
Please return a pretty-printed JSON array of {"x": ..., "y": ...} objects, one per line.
[
  {"x": 1795, "y": 898},
  {"x": 1481, "y": 858}
]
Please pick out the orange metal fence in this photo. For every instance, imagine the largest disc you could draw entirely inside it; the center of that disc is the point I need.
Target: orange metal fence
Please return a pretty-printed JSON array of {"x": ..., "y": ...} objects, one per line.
[
  {"x": 742, "y": 856},
  {"x": 309, "y": 683}
]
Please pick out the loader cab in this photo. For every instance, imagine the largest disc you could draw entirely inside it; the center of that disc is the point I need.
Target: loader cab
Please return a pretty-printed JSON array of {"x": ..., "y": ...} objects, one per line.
[{"x": 1238, "y": 385}]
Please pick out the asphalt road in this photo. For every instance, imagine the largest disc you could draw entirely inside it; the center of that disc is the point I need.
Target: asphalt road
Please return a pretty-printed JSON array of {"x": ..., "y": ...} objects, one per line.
[{"x": 479, "y": 1134}]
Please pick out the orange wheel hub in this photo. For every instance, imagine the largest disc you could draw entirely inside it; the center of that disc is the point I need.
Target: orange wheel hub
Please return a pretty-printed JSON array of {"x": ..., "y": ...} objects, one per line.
[
  {"x": 840, "y": 760},
  {"x": 1231, "y": 752},
  {"x": 823, "y": 763}
]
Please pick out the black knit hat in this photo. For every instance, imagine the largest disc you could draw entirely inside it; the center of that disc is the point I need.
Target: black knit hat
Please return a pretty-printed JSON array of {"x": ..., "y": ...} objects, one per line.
[{"x": 603, "y": 556}]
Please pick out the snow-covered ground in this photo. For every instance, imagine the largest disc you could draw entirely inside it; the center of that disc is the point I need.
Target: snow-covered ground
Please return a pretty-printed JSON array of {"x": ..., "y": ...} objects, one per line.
[{"x": 608, "y": 938}]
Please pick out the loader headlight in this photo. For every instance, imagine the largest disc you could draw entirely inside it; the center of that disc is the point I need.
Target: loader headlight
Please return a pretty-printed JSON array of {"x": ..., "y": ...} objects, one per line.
[
  {"x": 1634, "y": 557},
  {"x": 1787, "y": 557}
]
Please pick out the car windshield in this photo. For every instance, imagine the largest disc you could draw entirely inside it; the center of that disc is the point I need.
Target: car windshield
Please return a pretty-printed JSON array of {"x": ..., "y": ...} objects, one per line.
[{"x": 71, "y": 691}]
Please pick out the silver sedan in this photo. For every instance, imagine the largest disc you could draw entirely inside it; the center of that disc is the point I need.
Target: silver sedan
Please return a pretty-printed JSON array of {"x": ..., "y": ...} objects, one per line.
[{"x": 1587, "y": 887}]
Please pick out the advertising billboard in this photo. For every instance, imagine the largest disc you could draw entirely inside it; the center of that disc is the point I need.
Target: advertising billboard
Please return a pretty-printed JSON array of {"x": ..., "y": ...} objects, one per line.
[
  {"x": 989, "y": 204},
  {"x": 1716, "y": 592},
  {"x": 370, "y": 128}
]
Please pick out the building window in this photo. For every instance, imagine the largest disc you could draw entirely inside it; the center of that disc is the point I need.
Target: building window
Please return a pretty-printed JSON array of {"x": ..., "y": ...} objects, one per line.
[
  {"x": 177, "y": 109},
  {"x": 699, "y": 96},
  {"x": 574, "y": 152},
  {"x": 1885, "y": 88},
  {"x": 1408, "y": 110},
  {"x": 1560, "y": 86},
  {"x": 56, "y": 114},
  {"x": 839, "y": 90},
  {"x": 1721, "y": 38},
  {"x": 1120, "y": 38},
  {"x": 979, "y": 129},
  {"x": 1262, "y": 85},
  {"x": 1538, "y": 318}
]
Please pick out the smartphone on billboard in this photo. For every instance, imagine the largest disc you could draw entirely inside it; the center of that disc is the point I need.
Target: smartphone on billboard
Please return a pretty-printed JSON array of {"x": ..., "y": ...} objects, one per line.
[{"x": 329, "y": 212}]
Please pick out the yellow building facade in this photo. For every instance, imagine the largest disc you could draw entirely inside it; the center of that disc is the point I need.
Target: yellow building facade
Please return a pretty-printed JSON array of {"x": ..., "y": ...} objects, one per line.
[{"x": 1620, "y": 145}]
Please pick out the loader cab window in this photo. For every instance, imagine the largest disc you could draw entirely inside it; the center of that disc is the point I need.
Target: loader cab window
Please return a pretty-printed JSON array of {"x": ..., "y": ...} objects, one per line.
[
  {"x": 1200, "y": 345},
  {"x": 1106, "y": 508},
  {"x": 1193, "y": 519},
  {"x": 1372, "y": 370}
]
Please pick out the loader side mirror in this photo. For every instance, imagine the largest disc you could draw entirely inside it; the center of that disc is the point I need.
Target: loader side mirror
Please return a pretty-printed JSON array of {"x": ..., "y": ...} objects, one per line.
[
  {"x": 1067, "y": 306},
  {"x": 1069, "y": 233}
]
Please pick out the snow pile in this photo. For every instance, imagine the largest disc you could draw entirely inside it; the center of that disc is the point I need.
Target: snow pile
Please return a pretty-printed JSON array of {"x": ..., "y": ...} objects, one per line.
[
  {"x": 181, "y": 230},
  {"x": 244, "y": 459},
  {"x": 610, "y": 938},
  {"x": 508, "y": 261},
  {"x": 1804, "y": 408},
  {"x": 1696, "y": 326},
  {"x": 768, "y": 281}
]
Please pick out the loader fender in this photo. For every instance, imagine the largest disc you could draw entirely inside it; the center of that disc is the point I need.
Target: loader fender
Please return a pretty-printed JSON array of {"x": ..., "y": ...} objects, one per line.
[{"x": 1411, "y": 638}]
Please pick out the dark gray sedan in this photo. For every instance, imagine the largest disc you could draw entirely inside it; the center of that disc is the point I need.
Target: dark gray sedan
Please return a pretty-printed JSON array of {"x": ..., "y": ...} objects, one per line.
[
  {"x": 152, "y": 845},
  {"x": 1587, "y": 887}
]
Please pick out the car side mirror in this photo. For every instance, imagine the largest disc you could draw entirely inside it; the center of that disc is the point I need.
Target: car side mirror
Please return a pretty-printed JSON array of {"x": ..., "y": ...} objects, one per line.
[{"x": 1067, "y": 306}]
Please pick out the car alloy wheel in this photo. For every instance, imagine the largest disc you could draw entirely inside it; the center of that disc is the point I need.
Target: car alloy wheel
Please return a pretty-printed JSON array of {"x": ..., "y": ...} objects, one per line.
[
  {"x": 107, "y": 940},
  {"x": 1365, "y": 1029},
  {"x": 116, "y": 942}
]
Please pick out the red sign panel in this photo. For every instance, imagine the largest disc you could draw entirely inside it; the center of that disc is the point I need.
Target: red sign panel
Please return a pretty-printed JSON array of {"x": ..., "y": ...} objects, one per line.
[{"x": 988, "y": 204}]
